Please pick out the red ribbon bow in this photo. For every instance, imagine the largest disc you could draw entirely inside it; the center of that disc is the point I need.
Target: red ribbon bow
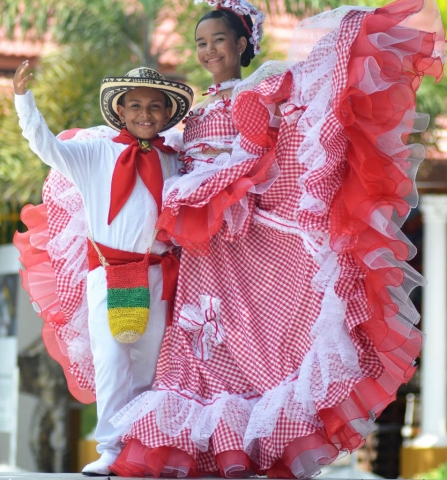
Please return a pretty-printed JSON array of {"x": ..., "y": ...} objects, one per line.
[
  {"x": 225, "y": 103},
  {"x": 134, "y": 158},
  {"x": 213, "y": 90},
  {"x": 291, "y": 108},
  {"x": 205, "y": 326},
  {"x": 204, "y": 147}
]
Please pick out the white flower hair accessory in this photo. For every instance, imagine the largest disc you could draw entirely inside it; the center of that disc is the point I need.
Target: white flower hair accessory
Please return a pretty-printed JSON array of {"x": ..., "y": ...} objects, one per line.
[{"x": 242, "y": 7}]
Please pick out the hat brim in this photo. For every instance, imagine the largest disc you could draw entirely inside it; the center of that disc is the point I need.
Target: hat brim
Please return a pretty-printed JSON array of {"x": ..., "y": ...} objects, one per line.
[{"x": 112, "y": 88}]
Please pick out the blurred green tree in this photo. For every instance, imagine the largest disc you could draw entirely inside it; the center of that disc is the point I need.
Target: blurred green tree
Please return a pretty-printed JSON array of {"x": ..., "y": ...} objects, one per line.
[{"x": 96, "y": 38}]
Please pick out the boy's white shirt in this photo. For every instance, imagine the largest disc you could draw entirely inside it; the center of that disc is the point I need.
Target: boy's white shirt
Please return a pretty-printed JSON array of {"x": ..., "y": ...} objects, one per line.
[{"x": 89, "y": 164}]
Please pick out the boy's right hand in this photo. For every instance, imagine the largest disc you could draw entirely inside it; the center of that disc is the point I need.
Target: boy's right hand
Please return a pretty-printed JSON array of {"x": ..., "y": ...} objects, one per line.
[{"x": 21, "y": 78}]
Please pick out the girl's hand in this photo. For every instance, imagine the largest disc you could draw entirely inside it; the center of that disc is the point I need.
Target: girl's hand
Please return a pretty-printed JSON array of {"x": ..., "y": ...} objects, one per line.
[{"x": 21, "y": 78}]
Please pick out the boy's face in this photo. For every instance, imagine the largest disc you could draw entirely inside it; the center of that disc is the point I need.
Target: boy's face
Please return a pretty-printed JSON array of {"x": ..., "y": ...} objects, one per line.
[{"x": 144, "y": 112}]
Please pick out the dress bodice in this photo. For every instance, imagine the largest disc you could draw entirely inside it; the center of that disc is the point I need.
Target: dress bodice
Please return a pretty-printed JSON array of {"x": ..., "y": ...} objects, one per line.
[{"x": 208, "y": 132}]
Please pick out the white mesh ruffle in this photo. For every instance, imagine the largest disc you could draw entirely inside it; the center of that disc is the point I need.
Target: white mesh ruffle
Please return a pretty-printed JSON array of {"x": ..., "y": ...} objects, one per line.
[
  {"x": 101, "y": 131},
  {"x": 175, "y": 411},
  {"x": 311, "y": 30},
  {"x": 174, "y": 138},
  {"x": 70, "y": 243},
  {"x": 205, "y": 167}
]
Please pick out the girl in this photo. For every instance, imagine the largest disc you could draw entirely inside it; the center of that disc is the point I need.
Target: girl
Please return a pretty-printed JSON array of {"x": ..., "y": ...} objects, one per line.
[{"x": 292, "y": 328}]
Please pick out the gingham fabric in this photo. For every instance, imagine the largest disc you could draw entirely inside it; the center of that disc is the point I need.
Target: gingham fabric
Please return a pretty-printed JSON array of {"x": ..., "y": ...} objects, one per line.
[
  {"x": 216, "y": 131},
  {"x": 302, "y": 371},
  {"x": 69, "y": 294},
  {"x": 218, "y": 124}
]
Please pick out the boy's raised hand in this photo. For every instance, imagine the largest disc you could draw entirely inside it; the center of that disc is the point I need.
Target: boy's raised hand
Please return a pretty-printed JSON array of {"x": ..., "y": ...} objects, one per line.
[{"x": 21, "y": 78}]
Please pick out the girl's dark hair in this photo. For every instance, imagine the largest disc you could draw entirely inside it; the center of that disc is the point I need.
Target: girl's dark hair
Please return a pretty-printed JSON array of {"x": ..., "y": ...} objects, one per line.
[{"x": 234, "y": 22}]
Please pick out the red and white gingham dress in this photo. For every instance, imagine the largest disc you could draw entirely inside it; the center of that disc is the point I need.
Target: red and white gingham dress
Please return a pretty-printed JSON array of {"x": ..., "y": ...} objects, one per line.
[{"x": 292, "y": 329}]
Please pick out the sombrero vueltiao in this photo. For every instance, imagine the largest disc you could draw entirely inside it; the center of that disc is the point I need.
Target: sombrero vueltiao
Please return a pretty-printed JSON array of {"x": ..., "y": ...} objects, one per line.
[{"x": 112, "y": 88}]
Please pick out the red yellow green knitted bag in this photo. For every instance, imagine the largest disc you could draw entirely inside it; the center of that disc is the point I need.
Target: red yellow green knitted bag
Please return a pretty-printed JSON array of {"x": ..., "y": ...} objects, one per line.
[{"x": 128, "y": 299}]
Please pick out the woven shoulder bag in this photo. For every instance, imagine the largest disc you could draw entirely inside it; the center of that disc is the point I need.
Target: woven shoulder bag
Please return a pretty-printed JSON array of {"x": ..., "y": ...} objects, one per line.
[{"x": 128, "y": 297}]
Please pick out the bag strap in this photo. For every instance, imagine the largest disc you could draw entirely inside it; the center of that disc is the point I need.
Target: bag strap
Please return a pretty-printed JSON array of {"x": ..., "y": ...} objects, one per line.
[{"x": 101, "y": 257}]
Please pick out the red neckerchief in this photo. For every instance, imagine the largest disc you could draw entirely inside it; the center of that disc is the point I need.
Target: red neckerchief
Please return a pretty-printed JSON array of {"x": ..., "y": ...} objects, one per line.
[{"x": 134, "y": 158}]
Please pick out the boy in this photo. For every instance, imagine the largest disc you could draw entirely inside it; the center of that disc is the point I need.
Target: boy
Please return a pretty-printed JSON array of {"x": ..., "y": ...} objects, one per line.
[{"x": 121, "y": 181}]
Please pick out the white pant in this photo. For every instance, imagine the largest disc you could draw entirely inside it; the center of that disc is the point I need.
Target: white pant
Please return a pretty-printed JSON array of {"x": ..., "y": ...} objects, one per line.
[{"x": 122, "y": 371}]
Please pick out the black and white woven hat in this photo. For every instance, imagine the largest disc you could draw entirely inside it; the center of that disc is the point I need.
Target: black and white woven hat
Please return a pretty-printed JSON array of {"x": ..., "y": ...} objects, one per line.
[{"x": 112, "y": 88}]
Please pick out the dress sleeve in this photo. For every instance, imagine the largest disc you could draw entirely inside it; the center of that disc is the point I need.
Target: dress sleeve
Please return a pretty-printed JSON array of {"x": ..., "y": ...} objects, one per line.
[{"x": 252, "y": 115}]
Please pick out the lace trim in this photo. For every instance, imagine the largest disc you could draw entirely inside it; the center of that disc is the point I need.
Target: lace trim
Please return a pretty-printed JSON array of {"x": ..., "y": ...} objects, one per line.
[
  {"x": 208, "y": 144},
  {"x": 215, "y": 89},
  {"x": 250, "y": 417},
  {"x": 275, "y": 221}
]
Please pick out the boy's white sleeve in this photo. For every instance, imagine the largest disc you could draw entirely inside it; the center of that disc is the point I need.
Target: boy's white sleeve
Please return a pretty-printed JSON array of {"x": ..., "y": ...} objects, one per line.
[{"x": 72, "y": 159}]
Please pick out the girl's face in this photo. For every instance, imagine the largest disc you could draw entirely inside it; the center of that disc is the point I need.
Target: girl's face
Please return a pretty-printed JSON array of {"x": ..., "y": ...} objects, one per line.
[{"x": 218, "y": 49}]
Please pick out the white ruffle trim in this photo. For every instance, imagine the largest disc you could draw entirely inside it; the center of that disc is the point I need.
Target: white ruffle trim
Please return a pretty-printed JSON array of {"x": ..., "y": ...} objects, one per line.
[{"x": 178, "y": 188}]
